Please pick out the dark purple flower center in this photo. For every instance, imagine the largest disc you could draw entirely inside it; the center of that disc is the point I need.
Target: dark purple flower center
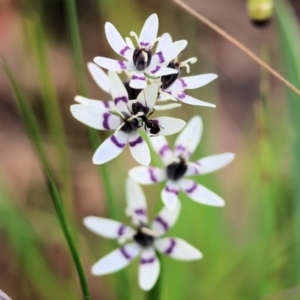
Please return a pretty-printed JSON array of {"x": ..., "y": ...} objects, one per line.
[
  {"x": 168, "y": 80},
  {"x": 143, "y": 239},
  {"x": 176, "y": 169},
  {"x": 141, "y": 58},
  {"x": 129, "y": 125}
]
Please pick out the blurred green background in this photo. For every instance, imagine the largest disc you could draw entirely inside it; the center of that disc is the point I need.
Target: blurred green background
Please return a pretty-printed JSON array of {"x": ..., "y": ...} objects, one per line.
[{"x": 251, "y": 246}]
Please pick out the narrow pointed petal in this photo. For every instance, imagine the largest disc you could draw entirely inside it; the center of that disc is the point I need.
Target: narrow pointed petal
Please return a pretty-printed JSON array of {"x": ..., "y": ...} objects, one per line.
[
  {"x": 165, "y": 41},
  {"x": 169, "y": 195},
  {"x": 165, "y": 219},
  {"x": 167, "y": 106},
  {"x": 148, "y": 96},
  {"x": 209, "y": 164},
  {"x": 94, "y": 117},
  {"x": 100, "y": 77},
  {"x": 169, "y": 125},
  {"x": 116, "y": 260},
  {"x": 155, "y": 70},
  {"x": 114, "y": 65},
  {"x": 149, "y": 31},
  {"x": 189, "y": 138},
  {"x": 200, "y": 193},
  {"x": 138, "y": 81},
  {"x": 117, "y": 42},
  {"x": 181, "y": 96},
  {"x": 147, "y": 175},
  {"x": 110, "y": 148},
  {"x": 149, "y": 269},
  {"x": 178, "y": 249},
  {"x": 139, "y": 149},
  {"x": 136, "y": 200},
  {"x": 161, "y": 147},
  {"x": 192, "y": 82},
  {"x": 167, "y": 54},
  {"x": 118, "y": 92},
  {"x": 103, "y": 105},
  {"x": 110, "y": 229}
]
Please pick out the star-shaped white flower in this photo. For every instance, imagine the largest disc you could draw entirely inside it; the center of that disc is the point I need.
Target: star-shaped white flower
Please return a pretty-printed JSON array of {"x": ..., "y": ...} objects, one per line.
[
  {"x": 142, "y": 240},
  {"x": 126, "y": 124},
  {"x": 140, "y": 60},
  {"x": 173, "y": 86},
  {"x": 177, "y": 167},
  {"x": 102, "y": 81}
]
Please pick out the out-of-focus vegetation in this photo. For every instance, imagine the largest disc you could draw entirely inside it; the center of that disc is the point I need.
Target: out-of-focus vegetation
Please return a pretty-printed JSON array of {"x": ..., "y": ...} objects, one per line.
[{"x": 251, "y": 246}]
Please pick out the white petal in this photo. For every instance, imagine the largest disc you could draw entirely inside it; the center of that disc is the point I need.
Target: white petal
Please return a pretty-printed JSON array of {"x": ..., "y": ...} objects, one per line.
[
  {"x": 189, "y": 138},
  {"x": 100, "y": 77},
  {"x": 169, "y": 195},
  {"x": 110, "y": 229},
  {"x": 214, "y": 162},
  {"x": 178, "y": 249},
  {"x": 190, "y": 100},
  {"x": 161, "y": 147},
  {"x": 138, "y": 81},
  {"x": 94, "y": 117},
  {"x": 200, "y": 193},
  {"x": 147, "y": 175},
  {"x": 169, "y": 125},
  {"x": 112, "y": 64},
  {"x": 165, "y": 40},
  {"x": 149, "y": 269},
  {"x": 110, "y": 148},
  {"x": 139, "y": 149},
  {"x": 136, "y": 200},
  {"x": 156, "y": 70},
  {"x": 167, "y": 54},
  {"x": 116, "y": 260},
  {"x": 118, "y": 92},
  {"x": 104, "y": 105},
  {"x": 148, "y": 96},
  {"x": 165, "y": 219},
  {"x": 192, "y": 82},
  {"x": 167, "y": 106},
  {"x": 149, "y": 31},
  {"x": 117, "y": 42}
]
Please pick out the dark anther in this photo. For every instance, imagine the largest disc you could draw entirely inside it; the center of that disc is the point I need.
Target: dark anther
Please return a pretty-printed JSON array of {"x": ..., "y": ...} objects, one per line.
[
  {"x": 141, "y": 58},
  {"x": 168, "y": 80},
  {"x": 143, "y": 239},
  {"x": 131, "y": 125},
  {"x": 176, "y": 170}
]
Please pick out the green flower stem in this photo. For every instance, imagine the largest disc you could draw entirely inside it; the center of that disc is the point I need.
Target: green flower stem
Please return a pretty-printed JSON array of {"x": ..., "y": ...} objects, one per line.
[{"x": 35, "y": 137}]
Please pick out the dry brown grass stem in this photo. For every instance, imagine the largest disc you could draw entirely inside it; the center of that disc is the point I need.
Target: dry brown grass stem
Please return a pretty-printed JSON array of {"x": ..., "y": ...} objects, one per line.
[{"x": 235, "y": 42}]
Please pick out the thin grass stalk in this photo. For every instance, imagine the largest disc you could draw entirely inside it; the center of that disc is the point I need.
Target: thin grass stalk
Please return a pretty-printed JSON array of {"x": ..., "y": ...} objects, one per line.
[{"x": 35, "y": 137}]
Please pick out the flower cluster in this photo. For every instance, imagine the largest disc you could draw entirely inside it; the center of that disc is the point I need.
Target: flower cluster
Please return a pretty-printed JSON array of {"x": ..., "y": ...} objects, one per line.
[{"x": 153, "y": 77}]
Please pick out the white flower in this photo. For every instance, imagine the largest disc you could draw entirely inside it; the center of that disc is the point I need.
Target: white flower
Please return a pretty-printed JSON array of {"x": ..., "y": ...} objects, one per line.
[
  {"x": 173, "y": 87},
  {"x": 102, "y": 81},
  {"x": 177, "y": 167},
  {"x": 143, "y": 239},
  {"x": 140, "y": 60},
  {"x": 126, "y": 124}
]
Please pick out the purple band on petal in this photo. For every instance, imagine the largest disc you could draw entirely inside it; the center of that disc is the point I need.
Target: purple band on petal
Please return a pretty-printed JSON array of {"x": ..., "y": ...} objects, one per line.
[
  {"x": 125, "y": 254},
  {"x": 174, "y": 191},
  {"x": 180, "y": 148},
  {"x": 171, "y": 247},
  {"x": 122, "y": 64},
  {"x": 148, "y": 260},
  {"x": 122, "y": 52},
  {"x": 140, "y": 211},
  {"x": 163, "y": 149},
  {"x": 139, "y": 140},
  {"x": 162, "y": 222},
  {"x": 121, "y": 230},
  {"x": 105, "y": 120},
  {"x": 192, "y": 188},
  {"x": 106, "y": 104},
  {"x": 116, "y": 142},
  {"x": 152, "y": 175},
  {"x": 134, "y": 77},
  {"x": 160, "y": 57},
  {"x": 181, "y": 96},
  {"x": 122, "y": 98},
  {"x": 144, "y": 44},
  {"x": 182, "y": 82},
  {"x": 157, "y": 68}
]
